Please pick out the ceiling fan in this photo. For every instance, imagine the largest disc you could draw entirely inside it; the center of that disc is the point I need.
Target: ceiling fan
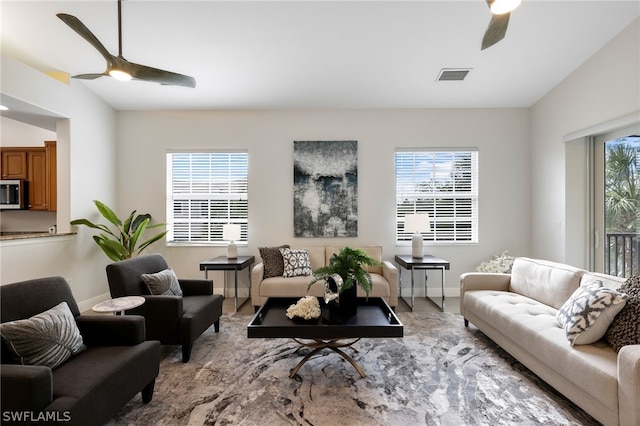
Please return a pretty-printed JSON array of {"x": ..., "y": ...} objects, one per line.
[
  {"x": 117, "y": 66},
  {"x": 501, "y": 10}
]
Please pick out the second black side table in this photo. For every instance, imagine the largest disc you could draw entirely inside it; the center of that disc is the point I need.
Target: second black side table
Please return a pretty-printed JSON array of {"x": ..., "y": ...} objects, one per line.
[
  {"x": 223, "y": 263},
  {"x": 410, "y": 264}
]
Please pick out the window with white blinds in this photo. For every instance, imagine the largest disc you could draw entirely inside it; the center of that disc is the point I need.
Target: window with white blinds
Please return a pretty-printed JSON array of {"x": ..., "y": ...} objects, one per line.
[
  {"x": 206, "y": 190},
  {"x": 443, "y": 184}
]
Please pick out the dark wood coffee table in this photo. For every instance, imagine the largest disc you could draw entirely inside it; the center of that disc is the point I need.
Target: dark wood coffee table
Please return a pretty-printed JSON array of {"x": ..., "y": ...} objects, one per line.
[{"x": 374, "y": 319}]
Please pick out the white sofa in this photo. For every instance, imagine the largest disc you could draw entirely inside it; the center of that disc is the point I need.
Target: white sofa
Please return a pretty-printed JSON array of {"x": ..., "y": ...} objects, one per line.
[
  {"x": 384, "y": 277},
  {"x": 518, "y": 312}
]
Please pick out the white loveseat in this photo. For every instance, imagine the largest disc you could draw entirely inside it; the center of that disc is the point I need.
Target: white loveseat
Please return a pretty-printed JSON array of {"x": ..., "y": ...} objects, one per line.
[
  {"x": 518, "y": 312},
  {"x": 384, "y": 277}
]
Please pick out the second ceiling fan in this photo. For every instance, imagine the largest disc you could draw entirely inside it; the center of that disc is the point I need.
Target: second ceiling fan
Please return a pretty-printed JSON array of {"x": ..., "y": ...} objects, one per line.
[{"x": 117, "y": 66}]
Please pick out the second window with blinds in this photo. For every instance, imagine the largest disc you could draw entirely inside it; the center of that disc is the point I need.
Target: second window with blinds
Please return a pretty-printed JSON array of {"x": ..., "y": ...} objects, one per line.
[
  {"x": 443, "y": 184},
  {"x": 206, "y": 190}
]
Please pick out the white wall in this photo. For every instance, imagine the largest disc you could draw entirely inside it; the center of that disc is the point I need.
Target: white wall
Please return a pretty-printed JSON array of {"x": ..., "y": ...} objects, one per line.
[
  {"x": 603, "y": 89},
  {"x": 502, "y": 136},
  {"x": 17, "y": 133},
  {"x": 86, "y": 170}
]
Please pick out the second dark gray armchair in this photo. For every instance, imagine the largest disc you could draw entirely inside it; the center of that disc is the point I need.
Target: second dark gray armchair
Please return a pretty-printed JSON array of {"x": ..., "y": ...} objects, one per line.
[{"x": 173, "y": 320}]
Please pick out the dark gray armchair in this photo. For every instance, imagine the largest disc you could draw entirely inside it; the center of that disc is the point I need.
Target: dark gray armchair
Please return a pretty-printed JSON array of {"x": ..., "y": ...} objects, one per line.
[
  {"x": 92, "y": 386},
  {"x": 173, "y": 320}
]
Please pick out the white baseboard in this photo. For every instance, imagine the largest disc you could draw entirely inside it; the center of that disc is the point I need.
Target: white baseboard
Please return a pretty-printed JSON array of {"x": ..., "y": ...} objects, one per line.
[{"x": 86, "y": 305}]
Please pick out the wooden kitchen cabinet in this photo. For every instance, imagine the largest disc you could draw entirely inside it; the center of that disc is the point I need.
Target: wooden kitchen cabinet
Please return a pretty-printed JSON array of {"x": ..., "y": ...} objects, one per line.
[
  {"x": 52, "y": 175},
  {"x": 14, "y": 164},
  {"x": 38, "y": 166}
]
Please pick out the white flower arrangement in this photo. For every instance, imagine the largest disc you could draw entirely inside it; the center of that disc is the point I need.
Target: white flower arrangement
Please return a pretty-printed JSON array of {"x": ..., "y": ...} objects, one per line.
[
  {"x": 307, "y": 308},
  {"x": 499, "y": 264}
]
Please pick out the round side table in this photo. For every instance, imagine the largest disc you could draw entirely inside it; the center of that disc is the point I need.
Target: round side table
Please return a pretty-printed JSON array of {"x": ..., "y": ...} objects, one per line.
[{"x": 119, "y": 304}]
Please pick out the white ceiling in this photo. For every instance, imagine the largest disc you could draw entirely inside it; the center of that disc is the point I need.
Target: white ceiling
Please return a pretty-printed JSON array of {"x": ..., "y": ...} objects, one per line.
[{"x": 317, "y": 54}]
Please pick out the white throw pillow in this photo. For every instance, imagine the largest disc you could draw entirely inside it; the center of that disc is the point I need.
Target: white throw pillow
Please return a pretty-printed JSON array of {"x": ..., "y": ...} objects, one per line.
[
  {"x": 49, "y": 338},
  {"x": 296, "y": 262},
  {"x": 586, "y": 315}
]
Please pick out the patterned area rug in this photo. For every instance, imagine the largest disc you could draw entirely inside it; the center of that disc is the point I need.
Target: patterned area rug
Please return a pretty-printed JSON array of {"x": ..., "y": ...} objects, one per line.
[{"x": 440, "y": 373}]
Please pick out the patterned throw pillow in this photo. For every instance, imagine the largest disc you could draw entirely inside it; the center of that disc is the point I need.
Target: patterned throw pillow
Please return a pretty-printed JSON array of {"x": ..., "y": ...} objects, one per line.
[
  {"x": 49, "y": 338},
  {"x": 586, "y": 315},
  {"x": 163, "y": 283},
  {"x": 296, "y": 262},
  {"x": 625, "y": 327},
  {"x": 272, "y": 261}
]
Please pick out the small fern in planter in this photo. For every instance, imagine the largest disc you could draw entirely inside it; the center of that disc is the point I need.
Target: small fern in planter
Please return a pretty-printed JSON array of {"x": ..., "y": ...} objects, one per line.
[
  {"x": 122, "y": 242},
  {"x": 349, "y": 264}
]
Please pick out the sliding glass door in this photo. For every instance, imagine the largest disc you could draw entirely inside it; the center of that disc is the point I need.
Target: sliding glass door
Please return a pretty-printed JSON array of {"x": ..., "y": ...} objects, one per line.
[{"x": 616, "y": 204}]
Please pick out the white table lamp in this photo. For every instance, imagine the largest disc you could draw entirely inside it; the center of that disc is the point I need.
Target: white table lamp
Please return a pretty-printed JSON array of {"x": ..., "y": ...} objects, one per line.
[
  {"x": 231, "y": 233},
  {"x": 417, "y": 223}
]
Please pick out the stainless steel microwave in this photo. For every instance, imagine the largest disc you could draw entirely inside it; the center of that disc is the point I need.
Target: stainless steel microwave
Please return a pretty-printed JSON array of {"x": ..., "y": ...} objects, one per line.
[{"x": 14, "y": 194}]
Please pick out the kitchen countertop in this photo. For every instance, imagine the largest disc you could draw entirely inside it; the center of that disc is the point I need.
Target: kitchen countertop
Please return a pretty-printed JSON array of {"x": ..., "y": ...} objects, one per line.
[{"x": 22, "y": 235}]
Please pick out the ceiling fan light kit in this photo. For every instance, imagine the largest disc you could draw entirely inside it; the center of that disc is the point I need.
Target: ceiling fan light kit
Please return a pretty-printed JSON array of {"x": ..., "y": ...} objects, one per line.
[
  {"x": 120, "y": 75},
  {"x": 117, "y": 66},
  {"x": 499, "y": 7}
]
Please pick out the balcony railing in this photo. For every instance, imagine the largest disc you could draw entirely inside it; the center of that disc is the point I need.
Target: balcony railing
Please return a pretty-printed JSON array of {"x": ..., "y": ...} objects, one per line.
[{"x": 622, "y": 255}]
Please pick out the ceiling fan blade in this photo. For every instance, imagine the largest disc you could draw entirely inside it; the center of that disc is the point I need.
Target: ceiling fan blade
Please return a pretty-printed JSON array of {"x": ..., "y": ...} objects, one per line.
[
  {"x": 88, "y": 76},
  {"x": 143, "y": 72},
  {"x": 76, "y": 25},
  {"x": 496, "y": 30},
  {"x": 118, "y": 63}
]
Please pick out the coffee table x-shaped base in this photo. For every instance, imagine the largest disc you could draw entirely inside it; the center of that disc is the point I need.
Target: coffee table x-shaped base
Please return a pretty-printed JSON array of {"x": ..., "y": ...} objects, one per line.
[{"x": 319, "y": 344}]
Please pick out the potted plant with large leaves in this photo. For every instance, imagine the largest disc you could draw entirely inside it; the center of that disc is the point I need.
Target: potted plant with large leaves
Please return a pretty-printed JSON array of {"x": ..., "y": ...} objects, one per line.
[
  {"x": 123, "y": 241},
  {"x": 349, "y": 265}
]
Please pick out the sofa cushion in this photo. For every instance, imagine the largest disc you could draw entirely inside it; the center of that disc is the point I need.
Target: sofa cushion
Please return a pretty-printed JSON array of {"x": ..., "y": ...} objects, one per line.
[
  {"x": 101, "y": 380},
  {"x": 587, "y": 314},
  {"x": 547, "y": 282},
  {"x": 532, "y": 326},
  {"x": 316, "y": 256},
  {"x": 608, "y": 280},
  {"x": 49, "y": 338},
  {"x": 272, "y": 260},
  {"x": 624, "y": 329},
  {"x": 290, "y": 287},
  {"x": 163, "y": 283},
  {"x": 296, "y": 262}
]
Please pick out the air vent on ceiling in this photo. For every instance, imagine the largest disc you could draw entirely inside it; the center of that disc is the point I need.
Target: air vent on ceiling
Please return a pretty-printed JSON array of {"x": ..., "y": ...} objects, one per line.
[{"x": 453, "y": 74}]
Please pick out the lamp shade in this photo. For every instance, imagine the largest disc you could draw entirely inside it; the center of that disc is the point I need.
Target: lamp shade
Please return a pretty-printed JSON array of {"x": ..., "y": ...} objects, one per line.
[
  {"x": 417, "y": 222},
  {"x": 230, "y": 232}
]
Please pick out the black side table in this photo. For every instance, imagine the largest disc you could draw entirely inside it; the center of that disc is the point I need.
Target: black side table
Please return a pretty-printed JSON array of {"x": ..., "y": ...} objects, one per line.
[
  {"x": 223, "y": 263},
  {"x": 425, "y": 263}
]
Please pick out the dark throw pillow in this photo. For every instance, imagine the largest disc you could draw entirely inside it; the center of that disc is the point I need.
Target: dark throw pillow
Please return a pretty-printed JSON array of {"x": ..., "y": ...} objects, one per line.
[
  {"x": 625, "y": 327},
  {"x": 272, "y": 261},
  {"x": 163, "y": 283},
  {"x": 49, "y": 338}
]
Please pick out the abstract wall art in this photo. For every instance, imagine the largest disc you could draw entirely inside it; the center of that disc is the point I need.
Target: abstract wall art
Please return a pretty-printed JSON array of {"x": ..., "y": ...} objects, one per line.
[{"x": 325, "y": 188}]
